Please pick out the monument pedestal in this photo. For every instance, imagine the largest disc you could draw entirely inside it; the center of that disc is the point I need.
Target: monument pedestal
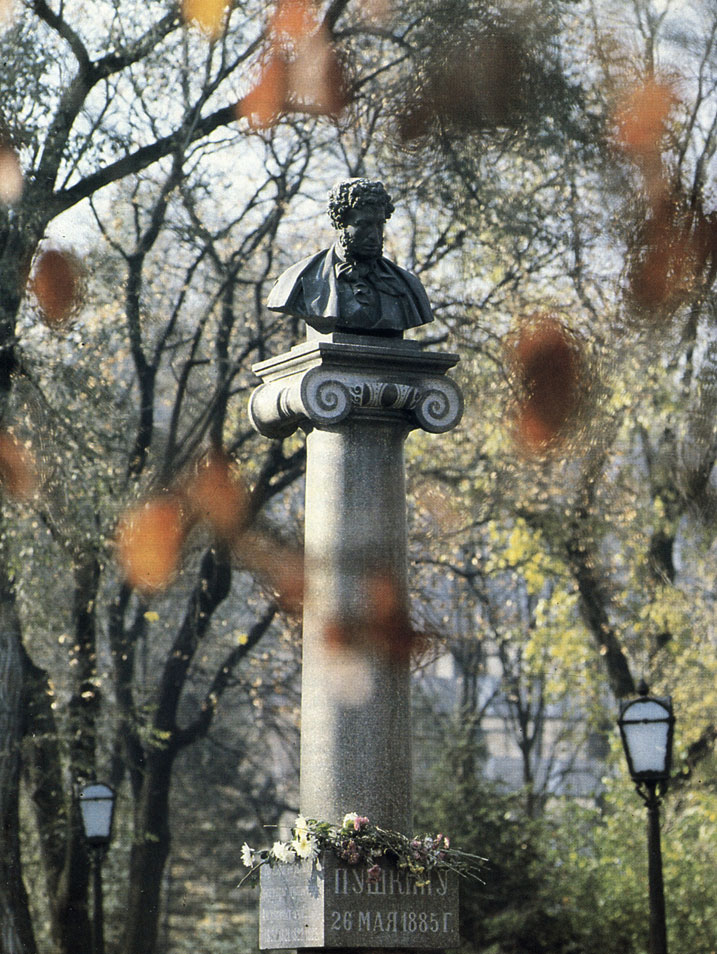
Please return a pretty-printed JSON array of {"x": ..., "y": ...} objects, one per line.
[
  {"x": 336, "y": 906},
  {"x": 358, "y": 397}
]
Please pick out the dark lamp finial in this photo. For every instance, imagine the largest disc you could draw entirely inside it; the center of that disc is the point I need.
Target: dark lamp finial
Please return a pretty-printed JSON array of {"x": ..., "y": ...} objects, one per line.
[{"x": 642, "y": 688}]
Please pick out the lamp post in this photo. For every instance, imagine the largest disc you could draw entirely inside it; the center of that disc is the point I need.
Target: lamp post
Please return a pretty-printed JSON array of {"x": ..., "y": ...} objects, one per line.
[
  {"x": 646, "y": 727},
  {"x": 97, "y": 808}
]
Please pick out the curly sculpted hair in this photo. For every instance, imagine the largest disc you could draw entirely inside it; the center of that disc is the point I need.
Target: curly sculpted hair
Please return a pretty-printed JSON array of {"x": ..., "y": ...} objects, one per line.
[{"x": 354, "y": 192}]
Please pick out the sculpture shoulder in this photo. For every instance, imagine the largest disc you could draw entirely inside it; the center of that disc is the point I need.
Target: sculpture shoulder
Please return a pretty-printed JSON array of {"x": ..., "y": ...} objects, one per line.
[
  {"x": 287, "y": 284},
  {"x": 417, "y": 290},
  {"x": 413, "y": 280}
]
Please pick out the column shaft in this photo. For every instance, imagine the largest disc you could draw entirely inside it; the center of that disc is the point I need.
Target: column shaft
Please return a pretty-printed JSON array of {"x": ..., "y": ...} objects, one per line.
[{"x": 355, "y": 715}]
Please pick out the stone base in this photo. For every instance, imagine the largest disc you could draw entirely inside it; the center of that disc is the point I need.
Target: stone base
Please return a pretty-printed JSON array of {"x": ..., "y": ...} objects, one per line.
[{"x": 309, "y": 907}]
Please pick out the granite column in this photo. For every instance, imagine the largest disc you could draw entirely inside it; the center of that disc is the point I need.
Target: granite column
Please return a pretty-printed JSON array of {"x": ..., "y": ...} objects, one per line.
[{"x": 358, "y": 397}]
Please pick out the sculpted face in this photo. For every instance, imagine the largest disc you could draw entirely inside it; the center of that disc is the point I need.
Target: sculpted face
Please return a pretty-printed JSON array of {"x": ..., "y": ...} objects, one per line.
[{"x": 362, "y": 235}]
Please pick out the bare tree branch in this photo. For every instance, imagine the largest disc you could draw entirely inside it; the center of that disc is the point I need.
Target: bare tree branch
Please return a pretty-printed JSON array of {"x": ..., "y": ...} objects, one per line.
[{"x": 201, "y": 725}]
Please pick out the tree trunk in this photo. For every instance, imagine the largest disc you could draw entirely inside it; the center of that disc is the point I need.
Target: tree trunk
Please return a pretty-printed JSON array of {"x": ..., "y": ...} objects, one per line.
[
  {"x": 64, "y": 854},
  {"x": 16, "y": 935},
  {"x": 150, "y": 851},
  {"x": 70, "y": 916}
]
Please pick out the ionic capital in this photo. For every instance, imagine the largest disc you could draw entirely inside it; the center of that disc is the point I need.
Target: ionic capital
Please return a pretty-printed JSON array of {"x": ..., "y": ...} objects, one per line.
[{"x": 321, "y": 383}]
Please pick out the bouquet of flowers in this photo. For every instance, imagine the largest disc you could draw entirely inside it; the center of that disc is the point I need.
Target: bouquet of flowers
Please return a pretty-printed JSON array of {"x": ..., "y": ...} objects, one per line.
[{"x": 357, "y": 841}]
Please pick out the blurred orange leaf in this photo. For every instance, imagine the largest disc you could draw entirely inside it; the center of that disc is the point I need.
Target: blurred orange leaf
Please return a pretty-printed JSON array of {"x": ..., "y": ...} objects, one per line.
[
  {"x": 382, "y": 626},
  {"x": 293, "y": 18},
  {"x": 10, "y": 176},
  {"x": 389, "y": 627},
  {"x": 56, "y": 284},
  {"x": 216, "y": 496},
  {"x": 302, "y": 71},
  {"x": 149, "y": 542},
  {"x": 263, "y": 104},
  {"x": 548, "y": 366},
  {"x": 317, "y": 82},
  {"x": 672, "y": 255},
  {"x": 208, "y": 15},
  {"x": 17, "y": 467},
  {"x": 474, "y": 83},
  {"x": 640, "y": 118},
  {"x": 657, "y": 281},
  {"x": 279, "y": 565}
]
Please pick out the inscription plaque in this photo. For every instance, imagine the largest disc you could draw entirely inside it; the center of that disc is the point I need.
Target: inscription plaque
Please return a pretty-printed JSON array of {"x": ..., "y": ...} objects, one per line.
[{"x": 338, "y": 905}]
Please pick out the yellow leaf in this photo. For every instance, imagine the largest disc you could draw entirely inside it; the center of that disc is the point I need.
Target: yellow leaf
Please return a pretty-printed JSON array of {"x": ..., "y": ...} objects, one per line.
[
  {"x": 208, "y": 15},
  {"x": 151, "y": 616}
]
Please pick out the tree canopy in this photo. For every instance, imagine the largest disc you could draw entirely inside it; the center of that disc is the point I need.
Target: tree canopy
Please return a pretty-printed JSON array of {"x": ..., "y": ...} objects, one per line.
[{"x": 160, "y": 164}]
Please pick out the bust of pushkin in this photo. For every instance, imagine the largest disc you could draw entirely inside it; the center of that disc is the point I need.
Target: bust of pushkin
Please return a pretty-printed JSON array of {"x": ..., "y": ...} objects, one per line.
[{"x": 351, "y": 287}]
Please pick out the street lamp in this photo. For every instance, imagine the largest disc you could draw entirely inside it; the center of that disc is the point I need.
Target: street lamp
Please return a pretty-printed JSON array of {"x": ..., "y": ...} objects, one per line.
[
  {"x": 97, "y": 803},
  {"x": 646, "y": 726}
]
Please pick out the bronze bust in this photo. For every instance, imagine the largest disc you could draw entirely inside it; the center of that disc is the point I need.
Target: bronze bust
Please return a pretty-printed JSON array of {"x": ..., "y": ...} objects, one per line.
[{"x": 351, "y": 287}]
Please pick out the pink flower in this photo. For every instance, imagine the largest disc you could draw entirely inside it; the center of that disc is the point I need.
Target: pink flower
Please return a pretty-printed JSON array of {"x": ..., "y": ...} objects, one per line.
[
  {"x": 373, "y": 874},
  {"x": 351, "y": 853},
  {"x": 360, "y": 822}
]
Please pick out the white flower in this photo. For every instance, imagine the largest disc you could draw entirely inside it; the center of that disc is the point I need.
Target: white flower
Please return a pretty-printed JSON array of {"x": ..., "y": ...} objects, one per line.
[
  {"x": 350, "y": 820},
  {"x": 305, "y": 845},
  {"x": 247, "y": 856},
  {"x": 283, "y": 852},
  {"x": 301, "y": 826}
]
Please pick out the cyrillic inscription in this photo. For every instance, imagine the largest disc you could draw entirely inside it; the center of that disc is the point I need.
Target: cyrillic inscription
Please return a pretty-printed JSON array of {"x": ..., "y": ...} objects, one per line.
[
  {"x": 345, "y": 906},
  {"x": 390, "y": 881},
  {"x": 392, "y": 922}
]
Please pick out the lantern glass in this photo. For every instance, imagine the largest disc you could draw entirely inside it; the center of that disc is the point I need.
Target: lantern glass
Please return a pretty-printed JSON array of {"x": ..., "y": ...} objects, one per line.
[
  {"x": 646, "y": 726},
  {"x": 97, "y": 806}
]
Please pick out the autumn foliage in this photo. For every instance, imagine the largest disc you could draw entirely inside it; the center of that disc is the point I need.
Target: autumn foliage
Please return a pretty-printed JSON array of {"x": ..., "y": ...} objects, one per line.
[
  {"x": 549, "y": 369},
  {"x": 11, "y": 181},
  {"x": 640, "y": 118},
  {"x": 301, "y": 70},
  {"x": 473, "y": 83},
  {"x": 672, "y": 248},
  {"x": 208, "y": 15},
  {"x": 215, "y": 495},
  {"x": 18, "y": 473},
  {"x": 152, "y": 535},
  {"x": 57, "y": 286},
  {"x": 382, "y": 626},
  {"x": 149, "y": 542}
]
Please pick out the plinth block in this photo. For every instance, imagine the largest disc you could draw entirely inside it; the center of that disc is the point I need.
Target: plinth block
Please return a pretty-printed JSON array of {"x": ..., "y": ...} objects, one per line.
[{"x": 338, "y": 906}]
